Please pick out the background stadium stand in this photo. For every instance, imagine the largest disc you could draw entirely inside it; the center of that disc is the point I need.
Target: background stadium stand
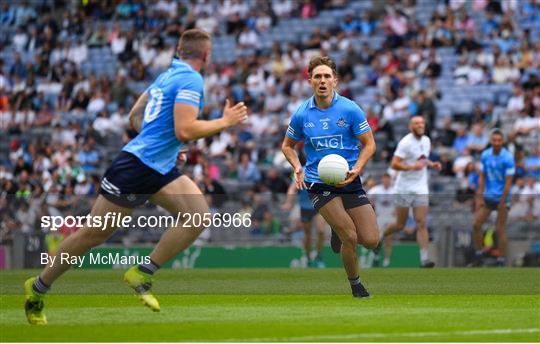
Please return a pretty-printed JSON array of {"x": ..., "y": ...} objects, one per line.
[{"x": 70, "y": 72}]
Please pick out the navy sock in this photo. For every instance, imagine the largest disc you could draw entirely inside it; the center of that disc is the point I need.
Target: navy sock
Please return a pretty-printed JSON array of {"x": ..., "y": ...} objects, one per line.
[
  {"x": 149, "y": 268},
  {"x": 40, "y": 287}
]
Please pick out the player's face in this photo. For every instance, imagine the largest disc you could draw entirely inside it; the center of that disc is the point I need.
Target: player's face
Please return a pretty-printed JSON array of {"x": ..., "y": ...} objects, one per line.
[
  {"x": 323, "y": 81},
  {"x": 418, "y": 126},
  {"x": 497, "y": 141}
]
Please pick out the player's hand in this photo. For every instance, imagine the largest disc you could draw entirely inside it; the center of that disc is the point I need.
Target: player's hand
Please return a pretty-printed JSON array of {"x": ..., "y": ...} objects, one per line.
[
  {"x": 437, "y": 166},
  {"x": 234, "y": 114},
  {"x": 182, "y": 157},
  {"x": 351, "y": 176},
  {"x": 502, "y": 205},
  {"x": 299, "y": 178}
]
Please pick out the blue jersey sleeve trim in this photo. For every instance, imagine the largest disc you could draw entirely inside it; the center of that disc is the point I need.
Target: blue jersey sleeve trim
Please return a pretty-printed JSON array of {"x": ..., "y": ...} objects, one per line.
[{"x": 360, "y": 124}]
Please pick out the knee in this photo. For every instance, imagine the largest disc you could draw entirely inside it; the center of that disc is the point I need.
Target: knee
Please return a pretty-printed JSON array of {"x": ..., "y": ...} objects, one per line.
[
  {"x": 349, "y": 239},
  {"x": 371, "y": 242},
  {"x": 400, "y": 226}
]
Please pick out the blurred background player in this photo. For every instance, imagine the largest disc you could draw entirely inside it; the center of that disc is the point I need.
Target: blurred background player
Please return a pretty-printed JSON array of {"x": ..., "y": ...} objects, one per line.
[
  {"x": 411, "y": 160},
  {"x": 332, "y": 124},
  {"x": 381, "y": 196},
  {"x": 497, "y": 172},
  {"x": 308, "y": 218},
  {"x": 165, "y": 116}
]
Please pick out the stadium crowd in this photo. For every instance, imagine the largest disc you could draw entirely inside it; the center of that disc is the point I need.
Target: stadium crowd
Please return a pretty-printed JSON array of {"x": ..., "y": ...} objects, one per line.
[{"x": 61, "y": 121}]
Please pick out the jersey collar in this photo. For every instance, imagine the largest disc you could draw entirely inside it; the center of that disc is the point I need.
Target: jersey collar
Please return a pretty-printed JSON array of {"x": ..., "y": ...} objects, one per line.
[
  {"x": 312, "y": 100},
  {"x": 176, "y": 63}
]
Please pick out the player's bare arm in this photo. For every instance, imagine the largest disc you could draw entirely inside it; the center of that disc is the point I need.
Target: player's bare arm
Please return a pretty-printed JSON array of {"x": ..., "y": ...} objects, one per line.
[
  {"x": 436, "y": 165},
  {"x": 136, "y": 114},
  {"x": 291, "y": 193},
  {"x": 506, "y": 190},
  {"x": 398, "y": 165},
  {"x": 187, "y": 127},
  {"x": 481, "y": 187},
  {"x": 287, "y": 147},
  {"x": 368, "y": 141}
]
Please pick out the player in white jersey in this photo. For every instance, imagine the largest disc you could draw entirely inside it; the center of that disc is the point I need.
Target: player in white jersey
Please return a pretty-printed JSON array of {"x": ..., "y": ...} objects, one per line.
[
  {"x": 411, "y": 160},
  {"x": 381, "y": 196}
]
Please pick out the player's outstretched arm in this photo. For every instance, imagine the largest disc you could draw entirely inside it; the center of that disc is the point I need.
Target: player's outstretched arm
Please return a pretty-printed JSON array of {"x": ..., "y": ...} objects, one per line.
[
  {"x": 287, "y": 147},
  {"x": 291, "y": 193},
  {"x": 507, "y": 186},
  {"x": 187, "y": 127},
  {"x": 398, "y": 165},
  {"x": 137, "y": 112}
]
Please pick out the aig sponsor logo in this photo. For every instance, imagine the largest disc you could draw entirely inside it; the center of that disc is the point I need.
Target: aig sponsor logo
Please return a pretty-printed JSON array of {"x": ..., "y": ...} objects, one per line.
[{"x": 327, "y": 142}]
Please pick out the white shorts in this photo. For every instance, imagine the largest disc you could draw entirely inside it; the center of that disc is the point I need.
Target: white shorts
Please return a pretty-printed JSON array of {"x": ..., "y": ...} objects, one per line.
[{"x": 411, "y": 200}]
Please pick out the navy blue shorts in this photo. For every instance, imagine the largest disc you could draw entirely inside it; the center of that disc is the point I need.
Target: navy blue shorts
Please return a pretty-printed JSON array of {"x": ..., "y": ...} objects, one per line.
[
  {"x": 128, "y": 182},
  {"x": 352, "y": 195},
  {"x": 493, "y": 204}
]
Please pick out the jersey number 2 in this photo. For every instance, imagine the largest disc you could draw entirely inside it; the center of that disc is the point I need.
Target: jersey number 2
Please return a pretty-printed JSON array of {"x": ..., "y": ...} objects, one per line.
[{"x": 154, "y": 105}]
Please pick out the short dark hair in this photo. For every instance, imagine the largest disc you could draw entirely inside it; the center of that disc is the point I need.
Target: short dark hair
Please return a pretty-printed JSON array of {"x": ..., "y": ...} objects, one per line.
[
  {"x": 192, "y": 44},
  {"x": 318, "y": 60},
  {"x": 496, "y": 131}
]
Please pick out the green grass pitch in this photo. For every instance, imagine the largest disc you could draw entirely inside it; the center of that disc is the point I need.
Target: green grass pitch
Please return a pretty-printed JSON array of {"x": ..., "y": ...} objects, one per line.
[{"x": 283, "y": 305}]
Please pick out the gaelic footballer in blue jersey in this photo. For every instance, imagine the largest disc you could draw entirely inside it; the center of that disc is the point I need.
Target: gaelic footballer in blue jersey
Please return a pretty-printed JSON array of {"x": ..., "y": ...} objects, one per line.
[
  {"x": 165, "y": 116},
  {"x": 496, "y": 174},
  {"x": 332, "y": 124}
]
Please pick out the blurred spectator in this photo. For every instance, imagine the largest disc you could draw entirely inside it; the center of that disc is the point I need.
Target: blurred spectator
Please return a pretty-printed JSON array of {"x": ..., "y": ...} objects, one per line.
[
  {"x": 504, "y": 71},
  {"x": 532, "y": 163},
  {"x": 282, "y": 8},
  {"x": 461, "y": 163},
  {"x": 461, "y": 141},
  {"x": 247, "y": 170},
  {"x": 98, "y": 38},
  {"x": 478, "y": 139},
  {"x": 248, "y": 38},
  {"x": 88, "y": 158}
]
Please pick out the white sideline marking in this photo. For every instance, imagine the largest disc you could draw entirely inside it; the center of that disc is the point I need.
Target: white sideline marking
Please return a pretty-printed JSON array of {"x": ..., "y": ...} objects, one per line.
[{"x": 387, "y": 335}]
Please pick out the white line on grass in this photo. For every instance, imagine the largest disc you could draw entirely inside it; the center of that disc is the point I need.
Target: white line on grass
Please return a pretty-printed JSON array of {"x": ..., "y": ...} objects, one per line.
[{"x": 389, "y": 335}]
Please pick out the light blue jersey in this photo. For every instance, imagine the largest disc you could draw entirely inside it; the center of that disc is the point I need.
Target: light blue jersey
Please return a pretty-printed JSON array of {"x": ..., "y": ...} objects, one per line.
[
  {"x": 334, "y": 130},
  {"x": 496, "y": 167},
  {"x": 156, "y": 145}
]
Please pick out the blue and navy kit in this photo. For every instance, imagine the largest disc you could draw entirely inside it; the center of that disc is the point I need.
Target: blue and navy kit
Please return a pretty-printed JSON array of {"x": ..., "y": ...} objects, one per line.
[
  {"x": 157, "y": 145},
  {"x": 496, "y": 167},
  {"x": 334, "y": 130},
  {"x": 148, "y": 162}
]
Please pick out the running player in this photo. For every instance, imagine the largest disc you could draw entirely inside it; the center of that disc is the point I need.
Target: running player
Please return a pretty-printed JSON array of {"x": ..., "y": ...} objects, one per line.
[
  {"x": 411, "y": 188},
  {"x": 332, "y": 124},
  {"x": 308, "y": 217},
  {"x": 493, "y": 194},
  {"x": 165, "y": 116},
  {"x": 381, "y": 197}
]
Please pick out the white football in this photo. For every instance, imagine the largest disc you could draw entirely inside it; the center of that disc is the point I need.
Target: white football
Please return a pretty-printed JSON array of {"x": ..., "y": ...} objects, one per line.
[{"x": 333, "y": 169}]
